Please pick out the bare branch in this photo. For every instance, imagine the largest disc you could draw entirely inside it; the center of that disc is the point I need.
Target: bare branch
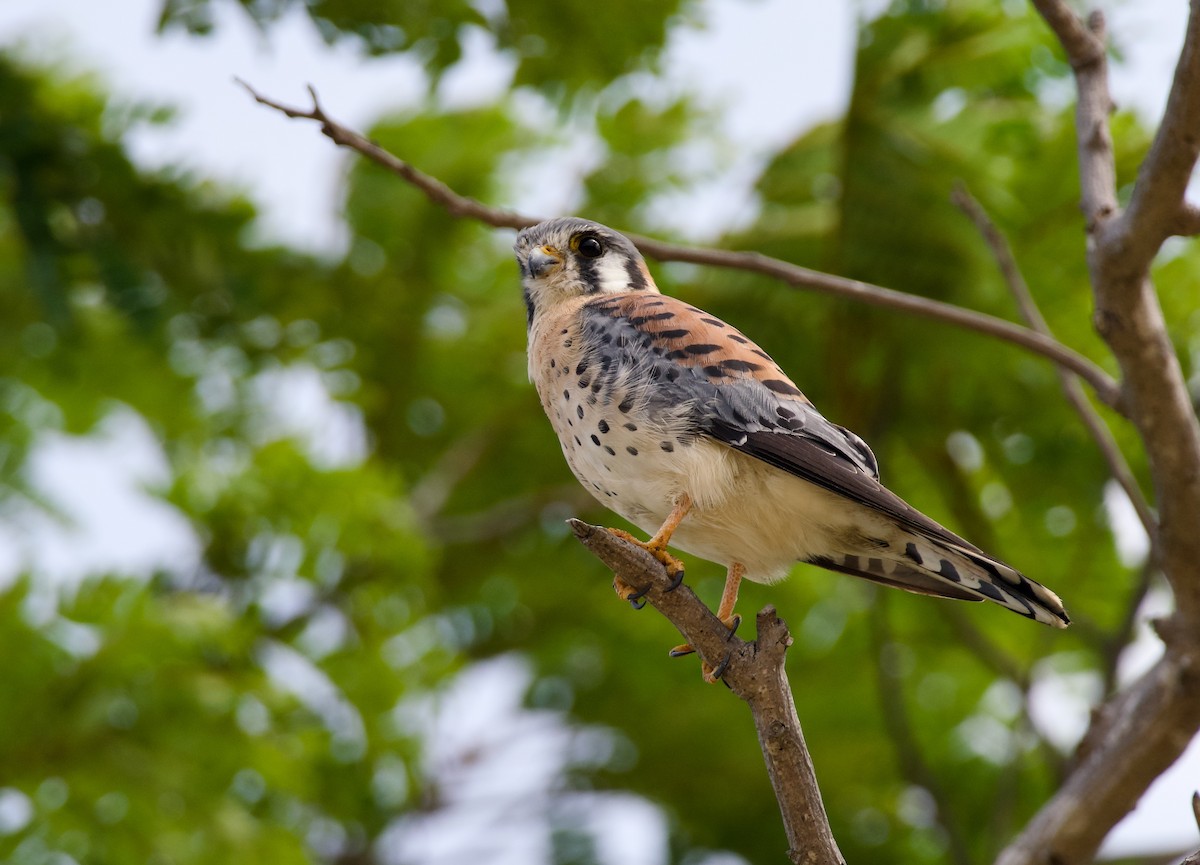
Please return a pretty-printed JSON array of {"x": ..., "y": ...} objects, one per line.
[
  {"x": 1085, "y": 49},
  {"x": 1096, "y": 427},
  {"x": 794, "y": 275},
  {"x": 753, "y": 671}
]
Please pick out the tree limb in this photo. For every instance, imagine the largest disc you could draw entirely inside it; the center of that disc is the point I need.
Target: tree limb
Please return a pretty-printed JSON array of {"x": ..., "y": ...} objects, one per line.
[
  {"x": 753, "y": 671},
  {"x": 792, "y": 274},
  {"x": 1137, "y": 734}
]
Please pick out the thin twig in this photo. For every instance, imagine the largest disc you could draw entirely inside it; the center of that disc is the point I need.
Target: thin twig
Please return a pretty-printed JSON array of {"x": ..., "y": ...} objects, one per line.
[
  {"x": 754, "y": 672},
  {"x": 792, "y": 274},
  {"x": 1096, "y": 427}
]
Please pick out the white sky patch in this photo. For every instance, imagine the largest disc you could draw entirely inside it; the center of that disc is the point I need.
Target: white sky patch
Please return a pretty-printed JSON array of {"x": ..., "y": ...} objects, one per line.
[
  {"x": 297, "y": 404},
  {"x": 498, "y": 768},
  {"x": 106, "y": 520},
  {"x": 1133, "y": 544}
]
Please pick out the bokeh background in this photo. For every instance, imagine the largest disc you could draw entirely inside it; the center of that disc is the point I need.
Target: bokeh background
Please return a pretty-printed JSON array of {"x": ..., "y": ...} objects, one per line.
[{"x": 283, "y": 570}]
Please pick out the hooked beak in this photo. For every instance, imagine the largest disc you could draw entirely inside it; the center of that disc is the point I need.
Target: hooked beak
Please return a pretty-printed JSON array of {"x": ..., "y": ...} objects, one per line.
[{"x": 541, "y": 261}]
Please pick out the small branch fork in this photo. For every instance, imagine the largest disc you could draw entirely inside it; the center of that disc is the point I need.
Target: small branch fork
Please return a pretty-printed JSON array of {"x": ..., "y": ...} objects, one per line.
[
  {"x": 753, "y": 671},
  {"x": 791, "y": 274}
]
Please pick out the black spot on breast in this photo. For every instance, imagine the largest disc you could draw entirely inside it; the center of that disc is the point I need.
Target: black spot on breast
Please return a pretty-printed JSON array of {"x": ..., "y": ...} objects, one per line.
[
  {"x": 602, "y": 426},
  {"x": 650, "y": 303},
  {"x": 678, "y": 333},
  {"x": 913, "y": 553},
  {"x": 677, "y": 354},
  {"x": 632, "y": 427},
  {"x": 741, "y": 365},
  {"x": 672, "y": 373},
  {"x": 632, "y": 450},
  {"x": 585, "y": 381},
  {"x": 567, "y": 343},
  {"x": 625, "y": 405},
  {"x": 551, "y": 363},
  {"x": 781, "y": 387},
  {"x": 701, "y": 348},
  {"x": 578, "y": 442},
  {"x": 739, "y": 339},
  {"x": 567, "y": 395},
  {"x": 595, "y": 440},
  {"x": 715, "y": 372},
  {"x": 667, "y": 446},
  {"x": 581, "y": 368},
  {"x": 761, "y": 353},
  {"x": 579, "y": 411},
  {"x": 715, "y": 322},
  {"x": 611, "y": 452}
]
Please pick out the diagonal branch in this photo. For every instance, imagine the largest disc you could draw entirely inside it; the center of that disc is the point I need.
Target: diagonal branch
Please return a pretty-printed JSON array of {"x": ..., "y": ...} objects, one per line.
[
  {"x": 753, "y": 671},
  {"x": 794, "y": 275},
  {"x": 1096, "y": 427}
]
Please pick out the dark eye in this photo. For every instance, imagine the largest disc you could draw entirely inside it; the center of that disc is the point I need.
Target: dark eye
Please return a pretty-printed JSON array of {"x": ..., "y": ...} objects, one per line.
[{"x": 589, "y": 247}]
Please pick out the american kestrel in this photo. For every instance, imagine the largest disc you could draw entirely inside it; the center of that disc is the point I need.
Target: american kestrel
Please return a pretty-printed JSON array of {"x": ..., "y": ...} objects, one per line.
[{"x": 686, "y": 428}]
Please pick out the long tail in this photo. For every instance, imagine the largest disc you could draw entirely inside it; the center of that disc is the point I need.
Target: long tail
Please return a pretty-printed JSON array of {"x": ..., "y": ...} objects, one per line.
[{"x": 930, "y": 566}]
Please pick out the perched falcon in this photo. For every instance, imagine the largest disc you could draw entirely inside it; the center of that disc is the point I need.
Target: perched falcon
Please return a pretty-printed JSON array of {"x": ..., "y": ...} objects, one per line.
[{"x": 682, "y": 425}]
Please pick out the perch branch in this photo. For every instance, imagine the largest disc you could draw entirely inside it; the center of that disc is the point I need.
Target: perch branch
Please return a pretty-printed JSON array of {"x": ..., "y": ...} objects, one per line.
[
  {"x": 754, "y": 672},
  {"x": 791, "y": 274},
  {"x": 1096, "y": 427}
]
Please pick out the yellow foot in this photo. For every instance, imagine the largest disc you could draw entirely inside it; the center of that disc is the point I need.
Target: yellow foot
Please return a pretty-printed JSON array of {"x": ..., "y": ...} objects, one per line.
[{"x": 657, "y": 549}]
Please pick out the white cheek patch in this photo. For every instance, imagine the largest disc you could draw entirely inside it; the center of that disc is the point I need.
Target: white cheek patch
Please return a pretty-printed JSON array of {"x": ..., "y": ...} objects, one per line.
[{"x": 611, "y": 274}]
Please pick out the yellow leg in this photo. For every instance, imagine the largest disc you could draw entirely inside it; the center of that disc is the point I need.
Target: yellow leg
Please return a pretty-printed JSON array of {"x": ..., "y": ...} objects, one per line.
[
  {"x": 657, "y": 547},
  {"x": 733, "y": 582}
]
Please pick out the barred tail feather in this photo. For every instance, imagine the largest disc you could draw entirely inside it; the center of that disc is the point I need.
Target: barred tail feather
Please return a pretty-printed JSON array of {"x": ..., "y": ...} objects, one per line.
[{"x": 934, "y": 567}]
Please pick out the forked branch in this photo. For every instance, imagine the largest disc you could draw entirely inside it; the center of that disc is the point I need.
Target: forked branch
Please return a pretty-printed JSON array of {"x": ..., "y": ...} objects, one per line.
[{"x": 753, "y": 671}]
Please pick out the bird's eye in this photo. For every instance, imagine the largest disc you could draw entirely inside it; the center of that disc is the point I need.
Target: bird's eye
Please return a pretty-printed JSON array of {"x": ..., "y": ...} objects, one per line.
[{"x": 589, "y": 247}]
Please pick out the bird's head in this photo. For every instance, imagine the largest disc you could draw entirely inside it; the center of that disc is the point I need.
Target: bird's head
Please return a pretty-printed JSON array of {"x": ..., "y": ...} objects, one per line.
[{"x": 568, "y": 257}]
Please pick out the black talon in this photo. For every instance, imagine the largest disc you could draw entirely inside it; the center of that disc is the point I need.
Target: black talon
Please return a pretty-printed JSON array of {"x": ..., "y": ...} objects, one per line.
[
  {"x": 676, "y": 582},
  {"x": 720, "y": 669},
  {"x": 637, "y": 596},
  {"x": 737, "y": 621}
]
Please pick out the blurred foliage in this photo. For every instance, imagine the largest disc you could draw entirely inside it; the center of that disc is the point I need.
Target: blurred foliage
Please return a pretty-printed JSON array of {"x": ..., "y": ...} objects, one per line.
[{"x": 153, "y": 719}]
